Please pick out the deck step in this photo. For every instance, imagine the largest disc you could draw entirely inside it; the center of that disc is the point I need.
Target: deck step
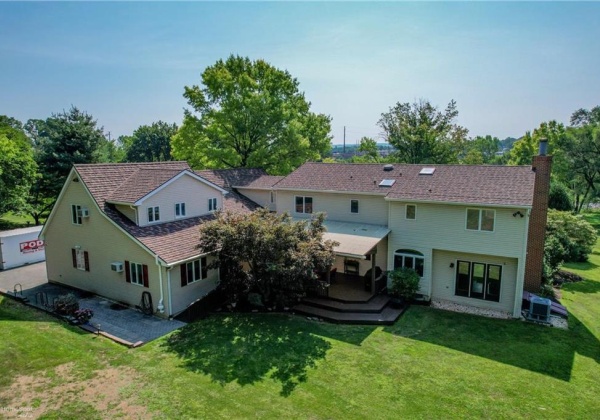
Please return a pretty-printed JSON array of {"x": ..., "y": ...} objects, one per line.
[
  {"x": 375, "y": 305},
  {"x": 387, "y": 316}
]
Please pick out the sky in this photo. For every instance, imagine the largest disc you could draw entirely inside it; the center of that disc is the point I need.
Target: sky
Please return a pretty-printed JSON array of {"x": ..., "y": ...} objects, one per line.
[{"x": 509, "y": 66}]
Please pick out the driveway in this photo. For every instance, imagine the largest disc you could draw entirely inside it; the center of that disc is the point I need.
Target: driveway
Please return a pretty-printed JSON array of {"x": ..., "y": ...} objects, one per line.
[{"x": 126, "y": 325}]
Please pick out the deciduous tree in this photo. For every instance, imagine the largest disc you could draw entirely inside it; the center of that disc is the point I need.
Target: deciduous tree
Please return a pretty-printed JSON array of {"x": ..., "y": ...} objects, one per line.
[
  {"x": 422, "y": 133},
  {"x": 282, "y": 255},
  {"x": 150, "y": 143},
  {"x": 250, "y": 114}
]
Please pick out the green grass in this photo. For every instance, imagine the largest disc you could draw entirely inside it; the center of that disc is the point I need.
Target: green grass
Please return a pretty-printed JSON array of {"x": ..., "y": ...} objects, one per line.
[
  {"x": 430, "y": 364},
  {"x": 12, "y": 221}
]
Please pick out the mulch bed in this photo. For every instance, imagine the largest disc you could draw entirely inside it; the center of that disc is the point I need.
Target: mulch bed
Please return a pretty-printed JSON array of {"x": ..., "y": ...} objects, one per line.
[{"x": 565, "y": 277}]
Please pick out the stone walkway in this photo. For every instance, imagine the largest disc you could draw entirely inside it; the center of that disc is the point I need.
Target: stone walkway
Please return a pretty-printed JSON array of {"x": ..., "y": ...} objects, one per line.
[{"x": 126, "y": 325}]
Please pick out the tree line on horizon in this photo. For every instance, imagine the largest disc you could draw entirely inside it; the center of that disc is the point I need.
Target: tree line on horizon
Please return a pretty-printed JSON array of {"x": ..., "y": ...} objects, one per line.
[{"x": 250, "y": 114}]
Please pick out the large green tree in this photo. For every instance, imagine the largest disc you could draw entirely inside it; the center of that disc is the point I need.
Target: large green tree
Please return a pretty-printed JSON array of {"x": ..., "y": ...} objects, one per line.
[
  {"x": 282, "y": 255},
  {"x": 17, "y": 165},
  {"x": 150, "y": 143},
  {"x": 481, "y": 150},
  {"x": 250, "y": 114},
  {"x": 586, "y": 116},
  {"x": 61, "y": 141},
  {"x": 422, "y": 133},
  {"x": 527, "y": 146}
]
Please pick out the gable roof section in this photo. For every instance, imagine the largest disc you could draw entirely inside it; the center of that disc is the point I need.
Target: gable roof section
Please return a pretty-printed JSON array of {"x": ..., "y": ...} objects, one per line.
[
  {"x": 172, "y": 241},
  {"x": 265, "y": 182},
  {"x": 233, "y": 178},
  {"x": 146, "y": 182},
  {"x": 464, "y": 184}
]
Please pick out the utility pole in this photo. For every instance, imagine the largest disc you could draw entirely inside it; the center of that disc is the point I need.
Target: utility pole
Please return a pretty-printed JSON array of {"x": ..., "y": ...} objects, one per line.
[{"x": 344, "y": 139}]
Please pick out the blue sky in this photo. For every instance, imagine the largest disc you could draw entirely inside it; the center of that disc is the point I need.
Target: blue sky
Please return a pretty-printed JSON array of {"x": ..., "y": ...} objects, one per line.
[{"x": 509, "y": 66}]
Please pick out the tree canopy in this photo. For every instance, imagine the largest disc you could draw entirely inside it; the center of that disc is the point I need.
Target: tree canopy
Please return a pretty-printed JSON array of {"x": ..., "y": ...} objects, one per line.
[
  {"x": 61, "y": 141},
  {"x": 149, "y": 143},
  {"x": 250, "y": 114},
  {"x": 422, "y": 133},
  {"x": 282, "y": 255},
  {"x": 17, "y": 165}
]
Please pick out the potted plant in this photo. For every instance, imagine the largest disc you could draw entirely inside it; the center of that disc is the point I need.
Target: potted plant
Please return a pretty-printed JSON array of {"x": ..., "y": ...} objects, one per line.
[{"x": 404, "y": 284}]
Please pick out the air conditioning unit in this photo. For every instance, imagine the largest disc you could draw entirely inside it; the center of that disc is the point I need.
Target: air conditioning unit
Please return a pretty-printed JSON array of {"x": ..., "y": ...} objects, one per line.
[
  {"x": 85, "y": 212},
  {"x": 117, "y": 266},
  {"x": 539, "y": 309}
]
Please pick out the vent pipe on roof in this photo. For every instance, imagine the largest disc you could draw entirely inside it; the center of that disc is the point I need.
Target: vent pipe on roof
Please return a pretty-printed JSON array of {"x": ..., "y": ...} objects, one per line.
[
  {"x": 543, "y": 147},
  {"x": 388, "y": 167}
]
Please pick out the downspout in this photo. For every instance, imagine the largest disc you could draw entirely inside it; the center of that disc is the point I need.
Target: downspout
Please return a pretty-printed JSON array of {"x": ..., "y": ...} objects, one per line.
[
  {"x": 169, "y": 291},
  {"x": 161, "y": 306},
  {"x": 521, "y": 271}
]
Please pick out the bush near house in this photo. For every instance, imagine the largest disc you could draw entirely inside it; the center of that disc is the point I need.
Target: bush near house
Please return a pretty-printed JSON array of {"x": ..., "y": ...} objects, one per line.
[
  {"x": 569, "y": 238},
  {"x": 404, "y": 283},
  {"x": 282, "y": 256}
]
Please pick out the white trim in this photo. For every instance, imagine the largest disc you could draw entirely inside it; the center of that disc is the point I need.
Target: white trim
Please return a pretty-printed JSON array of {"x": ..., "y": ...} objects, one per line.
[
  {"x": 304, "y": 197},
  {"x": 459, "y": 203},
  {"x": 131, "y": 264},
  {"x": 480, "y": 220},
  {"x": 330, "y": 191},
  {"x": 175, "y": 178}
]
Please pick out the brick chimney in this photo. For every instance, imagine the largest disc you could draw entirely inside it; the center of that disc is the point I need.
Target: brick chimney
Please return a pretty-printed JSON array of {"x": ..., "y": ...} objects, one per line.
[{"x": 541, "y": 165}]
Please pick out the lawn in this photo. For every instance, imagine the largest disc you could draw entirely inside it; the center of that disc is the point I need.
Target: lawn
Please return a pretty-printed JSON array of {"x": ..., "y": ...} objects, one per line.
[
  {"x": 12, "y": 221},
  {"x": 430, "y": 364}
]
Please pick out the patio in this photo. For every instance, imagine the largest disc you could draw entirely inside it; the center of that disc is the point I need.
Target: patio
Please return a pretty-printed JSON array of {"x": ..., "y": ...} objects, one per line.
[{"x": 349, "y": 288}]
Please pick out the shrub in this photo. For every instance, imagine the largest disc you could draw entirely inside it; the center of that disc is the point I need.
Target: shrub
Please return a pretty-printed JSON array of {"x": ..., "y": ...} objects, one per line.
[
  {"x": 404, "y": 283},
  {"x": 576, "y": 236},
  {"x": 559, "y": 198},
  {"x": 66, "y": 304},
  {"x": 83, "y": 315}
]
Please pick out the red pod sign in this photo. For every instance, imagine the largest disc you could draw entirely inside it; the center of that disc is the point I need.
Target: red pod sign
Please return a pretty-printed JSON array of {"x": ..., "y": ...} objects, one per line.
[{"x": 31, "y": 246}]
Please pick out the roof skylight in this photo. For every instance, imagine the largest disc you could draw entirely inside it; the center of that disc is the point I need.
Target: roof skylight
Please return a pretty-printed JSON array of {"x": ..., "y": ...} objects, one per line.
[
  {"x": 427, "y": 171},
  {"x": 387, "y": 182}
]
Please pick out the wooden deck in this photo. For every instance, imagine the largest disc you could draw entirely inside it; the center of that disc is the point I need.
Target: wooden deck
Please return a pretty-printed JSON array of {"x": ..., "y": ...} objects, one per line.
[{"x": 349, "y": 288}]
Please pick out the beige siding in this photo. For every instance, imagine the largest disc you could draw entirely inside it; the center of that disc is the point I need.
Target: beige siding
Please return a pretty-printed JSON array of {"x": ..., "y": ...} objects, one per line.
[
  {"x": 104, "y": 242},
  {"x": 193, "y": 193},
  {"x": 128, "y": 212},
  {"x": 182, "y": 296},
  {"x": 444, "y": 227},
  {"x": 443, "y": 283},
  {"x": 260, "y": 197},
  {"x": 371, "y": 209}
]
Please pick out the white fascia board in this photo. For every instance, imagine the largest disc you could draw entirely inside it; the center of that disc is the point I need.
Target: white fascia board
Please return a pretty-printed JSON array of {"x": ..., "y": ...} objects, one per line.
[
  {"x": 195, "y": 257},
  {"x": 175, "y": 178},
  {"x": 459, "y": 203},
  {"x": 331, "y": 191}
]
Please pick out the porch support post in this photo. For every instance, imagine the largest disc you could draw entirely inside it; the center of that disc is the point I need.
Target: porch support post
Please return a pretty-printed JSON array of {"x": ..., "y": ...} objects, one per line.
[{"x": 373, "y": 258}]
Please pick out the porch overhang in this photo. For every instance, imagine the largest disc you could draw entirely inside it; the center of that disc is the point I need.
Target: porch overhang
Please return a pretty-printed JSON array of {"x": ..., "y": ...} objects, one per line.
[{"x": 355, "y": 240}]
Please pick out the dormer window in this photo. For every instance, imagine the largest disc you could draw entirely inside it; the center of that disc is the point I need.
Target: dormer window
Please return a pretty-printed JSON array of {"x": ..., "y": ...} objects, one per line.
[
  {"x": 180, "y": 210},
  {"x": 153, "y": 214}
]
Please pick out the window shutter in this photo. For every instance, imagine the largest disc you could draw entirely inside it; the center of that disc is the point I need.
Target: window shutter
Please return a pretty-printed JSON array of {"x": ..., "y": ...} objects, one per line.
[
  {"x": 74, "y": 255},
  {"x": 127, "y": 272},
  {"x": 86, "y": 259},
  {"x": 183, "y": 275},
  {"x": 145, "y": 273}
]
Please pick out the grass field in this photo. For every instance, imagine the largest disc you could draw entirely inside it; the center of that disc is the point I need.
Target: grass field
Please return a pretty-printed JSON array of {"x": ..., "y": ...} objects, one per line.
[
  {"x": 13, "y": 221},
  {"x": 430, "y": 364}
]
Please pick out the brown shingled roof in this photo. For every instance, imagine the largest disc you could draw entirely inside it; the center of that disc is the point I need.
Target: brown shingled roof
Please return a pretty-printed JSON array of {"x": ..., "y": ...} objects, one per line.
[
  {"x": 230, "y": 178},
  {"x": 470, "y": 184},
  {"x": 171, "y": 241},
  {"x": 264, "y": 182}
]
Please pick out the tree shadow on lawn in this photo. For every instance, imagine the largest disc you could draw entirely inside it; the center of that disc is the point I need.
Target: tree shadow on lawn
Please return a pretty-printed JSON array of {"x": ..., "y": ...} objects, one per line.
[
  {"x": 248, "y": 348},
  {"x": 584, "y": 286},
  {"x": 581, "y": 266},
  {"x": 537, "y": 348}
]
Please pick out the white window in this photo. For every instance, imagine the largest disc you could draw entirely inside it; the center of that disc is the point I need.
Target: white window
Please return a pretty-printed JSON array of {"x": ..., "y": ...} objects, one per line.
[
  {"x": 409, "y": 259},
  {"x": 481, "y": 219},
  {"x": 212, "y": 204},
  {"x": 136, "y": 273},
  {"x": 304, "y": 204},
  {"x": 411, "y": 211},
  {"x": 76, "y": 214},
  {"x": 353, "y": 206},
  {"x": 179, "y": 209},
  {"x": 153, "y": 214},
  {"x": 80, "y": 259},
  {"x": 194, "y": 271}
]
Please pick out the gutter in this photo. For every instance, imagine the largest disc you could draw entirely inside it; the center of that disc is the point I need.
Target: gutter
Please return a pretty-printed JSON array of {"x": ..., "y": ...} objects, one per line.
[
  {"x": 170, "y": 314},
  {"x": 521, "y": 271},
  {"x": 459, "y": 203}
]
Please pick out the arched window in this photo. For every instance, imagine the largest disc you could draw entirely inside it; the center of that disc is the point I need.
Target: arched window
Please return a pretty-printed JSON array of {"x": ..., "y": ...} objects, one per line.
[{"x": 410, "y": 259}]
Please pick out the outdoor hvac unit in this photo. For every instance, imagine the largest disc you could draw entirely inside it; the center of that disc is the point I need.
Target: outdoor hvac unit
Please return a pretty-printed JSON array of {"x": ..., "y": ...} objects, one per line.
[
  {"x": 85, "y": 212},
  {"x": 539, "y": 309},
  {"x": 117, "y": 266}
]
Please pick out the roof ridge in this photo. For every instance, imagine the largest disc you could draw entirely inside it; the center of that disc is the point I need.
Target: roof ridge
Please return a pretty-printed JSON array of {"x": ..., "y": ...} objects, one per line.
[{"x": 165, "y": 162}]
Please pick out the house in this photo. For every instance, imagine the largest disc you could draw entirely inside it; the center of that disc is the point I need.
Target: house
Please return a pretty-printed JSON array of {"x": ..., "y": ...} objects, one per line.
[
  {"x": 119, "y": 230},
  {"x": 474, "y": 234}
]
